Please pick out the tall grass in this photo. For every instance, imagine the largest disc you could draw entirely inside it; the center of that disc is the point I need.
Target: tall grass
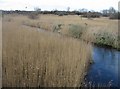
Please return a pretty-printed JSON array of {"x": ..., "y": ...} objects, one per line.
[
  {"x": 42, "y": 59},
  {"x": 73, "y": 24}
]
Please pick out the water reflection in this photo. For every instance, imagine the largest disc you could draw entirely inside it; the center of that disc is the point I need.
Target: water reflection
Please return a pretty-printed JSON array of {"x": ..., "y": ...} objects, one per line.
[{"x": 105, "y": 69}]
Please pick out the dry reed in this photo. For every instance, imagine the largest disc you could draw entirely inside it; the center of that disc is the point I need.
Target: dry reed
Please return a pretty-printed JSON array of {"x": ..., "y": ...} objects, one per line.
[{"x": 41, "y": 59}]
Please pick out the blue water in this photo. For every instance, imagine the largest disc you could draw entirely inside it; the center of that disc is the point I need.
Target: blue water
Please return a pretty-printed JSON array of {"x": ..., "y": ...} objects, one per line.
[{"x": 105, "y": 69}]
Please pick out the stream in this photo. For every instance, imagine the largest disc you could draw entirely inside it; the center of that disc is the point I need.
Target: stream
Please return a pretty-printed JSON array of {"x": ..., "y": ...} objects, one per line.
[{"x": 104, "y": 71}]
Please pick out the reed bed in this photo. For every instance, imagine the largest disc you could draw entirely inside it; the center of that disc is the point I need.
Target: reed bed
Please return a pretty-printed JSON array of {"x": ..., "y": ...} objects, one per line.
[
  {"x": 101, "y": 31},
  {"x": 34, "y": 58}
]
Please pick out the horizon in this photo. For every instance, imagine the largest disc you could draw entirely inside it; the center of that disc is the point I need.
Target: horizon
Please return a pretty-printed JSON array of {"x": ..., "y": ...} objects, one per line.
[{"x": 62, "y": 5}]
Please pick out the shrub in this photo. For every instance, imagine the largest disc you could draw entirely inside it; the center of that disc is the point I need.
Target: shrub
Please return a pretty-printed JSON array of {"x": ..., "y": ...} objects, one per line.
[
  {"x": 76, "y": 30},
  {"x": 115, "y": 16},
  {"x": 91, "y": 15},
  {"x": 105, "y": 38},
  {"x": 33, "y": 15},
  {"x": 57, "y": 27},
  {"x": 60, "y": 13},
  {"x": 118, "y": 41}
]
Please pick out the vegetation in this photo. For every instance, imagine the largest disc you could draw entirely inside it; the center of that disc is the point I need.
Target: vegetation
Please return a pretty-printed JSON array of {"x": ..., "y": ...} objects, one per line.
[
  {"x": 115, "y": 15},
  {"x": 34, "y": 55},
  {"x": 76, "y": 31},
  {"x": 41, "y": 59},
  {"x": 91, "y": 15},
  {"x": 105, "y": 38},
  {"x": 33, "y": 15},
  {"x": 111, "y": 13},
  {"x": 99, "y": 30},
  {"x": 57, "y": 28}
]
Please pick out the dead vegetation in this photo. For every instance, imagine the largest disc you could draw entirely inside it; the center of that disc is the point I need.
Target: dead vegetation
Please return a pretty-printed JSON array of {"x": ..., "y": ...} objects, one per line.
[
  {"x": 41, "y": 59},
  {"x": 92, "y": 30}
]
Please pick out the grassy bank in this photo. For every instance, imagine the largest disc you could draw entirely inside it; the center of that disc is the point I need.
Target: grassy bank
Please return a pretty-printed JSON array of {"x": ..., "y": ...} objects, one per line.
[
  {"x": 41, "y": 59},
  {"x": 100, "y": 31}
]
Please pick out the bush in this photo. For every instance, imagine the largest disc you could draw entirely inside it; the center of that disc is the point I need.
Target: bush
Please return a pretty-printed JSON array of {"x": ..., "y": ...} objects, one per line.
[
  {"x": 60, "y": 13},
  {"x": 115, "y": 16},
  {"x": 91, "y": 15},
  {"x": 105, "y": 38},
  {"x": 57, "y": 28},
  {"x": 76, "y": 30},
  {"x": 33, "y": 15}
]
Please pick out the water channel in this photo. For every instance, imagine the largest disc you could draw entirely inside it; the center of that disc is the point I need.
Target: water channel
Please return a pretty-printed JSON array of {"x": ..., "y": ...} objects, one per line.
[{"x": 105, "y": 69}]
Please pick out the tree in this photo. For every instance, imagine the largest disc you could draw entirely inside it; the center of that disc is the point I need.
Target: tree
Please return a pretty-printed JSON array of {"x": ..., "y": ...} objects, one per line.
[
  {"x": 35, "y": 13},
  {"x": 83, "y": 10},
  {"x": 113, "y": 14},
  {"x": 112, "y": 11},
  {"x": 105, "y": 12},
  {"x": 68, "y": 9},
  {"x": 37, "y": 9}
]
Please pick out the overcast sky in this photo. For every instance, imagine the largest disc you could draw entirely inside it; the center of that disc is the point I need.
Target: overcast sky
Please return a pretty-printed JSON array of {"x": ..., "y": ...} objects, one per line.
[{"x": 96, "y": 5}]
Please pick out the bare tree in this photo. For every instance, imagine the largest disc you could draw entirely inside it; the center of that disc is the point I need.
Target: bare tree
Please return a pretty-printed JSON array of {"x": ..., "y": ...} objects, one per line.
[
  {"x": 68, "y": 9},
  {"x": 112, "y": 10},
  {"x": 105, "y": 12},
  {"x": 83, "y": 10},
  {"x": 35, "y": 13},
  {"x": 37, "y": 9}
]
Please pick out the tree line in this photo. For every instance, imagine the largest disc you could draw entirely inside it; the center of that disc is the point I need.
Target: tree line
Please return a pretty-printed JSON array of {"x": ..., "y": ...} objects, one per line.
[{"x": 111, "y": 13}]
